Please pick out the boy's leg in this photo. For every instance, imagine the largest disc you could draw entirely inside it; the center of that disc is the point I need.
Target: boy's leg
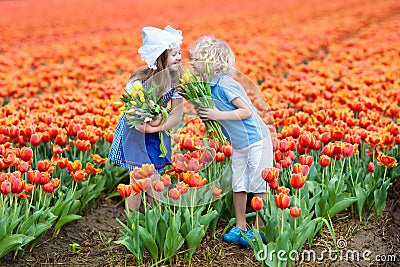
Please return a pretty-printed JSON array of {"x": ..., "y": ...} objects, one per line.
[
  {"x": 263, "y": 196},
  {"x": 239, "y": 204}
]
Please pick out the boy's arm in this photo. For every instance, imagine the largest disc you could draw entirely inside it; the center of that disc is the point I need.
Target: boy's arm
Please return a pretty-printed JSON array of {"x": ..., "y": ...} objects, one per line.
[{"x": 242, "y": 112}]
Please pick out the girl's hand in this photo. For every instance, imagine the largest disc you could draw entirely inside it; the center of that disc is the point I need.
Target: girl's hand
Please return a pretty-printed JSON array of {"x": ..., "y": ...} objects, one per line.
[
  {"x": 207, "y": 114},
  {"x": 146, "y": 128},
  {"x": 156, "y": 122}
]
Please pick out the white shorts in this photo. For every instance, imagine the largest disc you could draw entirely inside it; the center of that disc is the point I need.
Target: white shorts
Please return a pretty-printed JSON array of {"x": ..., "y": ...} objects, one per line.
[{"x": 247, "y": 164}]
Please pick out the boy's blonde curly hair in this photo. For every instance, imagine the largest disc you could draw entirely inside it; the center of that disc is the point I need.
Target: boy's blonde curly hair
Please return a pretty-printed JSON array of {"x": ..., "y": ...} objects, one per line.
[{"x": 216, "y": 53}]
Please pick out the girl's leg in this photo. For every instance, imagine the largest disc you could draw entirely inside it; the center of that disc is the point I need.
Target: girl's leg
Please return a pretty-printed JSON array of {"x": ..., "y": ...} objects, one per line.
[
  {"x": 239, "y": 204},
  {"x": 134, "y": 202}
]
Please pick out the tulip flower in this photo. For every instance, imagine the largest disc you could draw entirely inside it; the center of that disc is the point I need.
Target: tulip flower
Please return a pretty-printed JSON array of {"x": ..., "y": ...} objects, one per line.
[
  {"x": 324, "y": 161},
  {"x": 270, "y": 174},
  {"x": 257, "y": 203},
  {"x": 298, "y": 180},
  {"x": 174, "y": 193},
  {"x": 78, "y": 176},
  {"x": 182, "y": 187},
  {"x": 217, "y": 192},
  {"x": 295, "y": 212},
  {"x": 371, "y": 167},
  {"x": 124, "y": 190},
  {"x": 166, "y": 179},
  {"x": 158, "y": 186},
  {"x": 141, "y": 185},
  {"x": 26, "y": 153},
  {"x": 274, "y": 184},
  {"x": 5, "y": 187},
  {"x": 282, "y": 201},
  {"x": 219, "y": 157},
  {"x": 283, "y": 190},
  {"x": 227, "y": 150}
]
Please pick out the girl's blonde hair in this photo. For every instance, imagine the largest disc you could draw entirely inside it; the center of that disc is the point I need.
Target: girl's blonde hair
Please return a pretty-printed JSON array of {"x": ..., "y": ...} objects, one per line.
[{"x": 216, "y": 53}]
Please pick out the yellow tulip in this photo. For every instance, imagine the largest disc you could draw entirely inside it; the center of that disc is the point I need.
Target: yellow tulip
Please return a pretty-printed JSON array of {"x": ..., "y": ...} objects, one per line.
[
  {"x": 140, "y": 94},
  {"x": 137, "y": 87},
  {"x": 142, "y": 99}
]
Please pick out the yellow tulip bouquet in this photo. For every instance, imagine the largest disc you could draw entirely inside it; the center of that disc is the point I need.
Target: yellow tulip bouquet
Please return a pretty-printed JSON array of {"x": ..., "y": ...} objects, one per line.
[
  {"x": 198, "y": 92},
  {"x": 145, "y": 106}
]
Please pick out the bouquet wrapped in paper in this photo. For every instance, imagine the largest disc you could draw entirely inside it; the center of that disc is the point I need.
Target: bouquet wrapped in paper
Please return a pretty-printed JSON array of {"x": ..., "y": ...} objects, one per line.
[
  {"x": 145, "y": 106},
  {"x": 198, "y": 92}
]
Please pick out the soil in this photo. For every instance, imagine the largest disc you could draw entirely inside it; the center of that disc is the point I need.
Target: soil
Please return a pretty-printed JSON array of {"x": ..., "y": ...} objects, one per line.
[{"x": 98, "y": 229}]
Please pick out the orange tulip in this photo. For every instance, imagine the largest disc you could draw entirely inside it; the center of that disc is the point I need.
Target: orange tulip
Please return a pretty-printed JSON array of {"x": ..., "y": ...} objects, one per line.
[
  {"x": 282, "y": 201},
  {"x": 166, "y": 179},
  {"x": 283, "y": 190},
  {"x": 78, "y": 176},
  {"x": 182, "y": 187},
  {"x": 124, "y": 190},
  {"x": 141, "y": 185}
]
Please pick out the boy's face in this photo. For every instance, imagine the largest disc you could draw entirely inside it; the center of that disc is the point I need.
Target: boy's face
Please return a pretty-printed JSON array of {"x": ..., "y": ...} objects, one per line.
[
  {"x": 198, "y": 65},
  {"x": 174, "y": 58}
]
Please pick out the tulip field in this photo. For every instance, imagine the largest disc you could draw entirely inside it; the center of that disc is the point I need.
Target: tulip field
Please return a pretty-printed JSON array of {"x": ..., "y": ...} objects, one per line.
[{"x": 325, "y": 76}]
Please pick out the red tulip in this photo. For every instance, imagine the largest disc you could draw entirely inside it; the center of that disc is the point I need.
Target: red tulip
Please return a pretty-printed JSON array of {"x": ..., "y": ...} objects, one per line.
[
  {"x": 298, "y": 180},
  {"x": 141, "y": 185},
  {"x": 324, "y": 161},
  {"x": 83, "y": 145},
  {"x": 274, "y": 184},
  {"x": 5, "y": 187},
  {"x": 282, "y": 201},
  {"x": 44, "y": 165},
  {"x": 219, "y": 157},
  {"x": 371, "y": 167},
  {"x": 295, "y": 212},
  {"x": 26, "y": 153},
  {"x": 227, "y": 150},
  {"x": 166, "y": 179},
  {"x": 257, "y": 203},
  {"x": 270, "y": 174},
  {"x": 23, "y": 166},
  {"x": 217, "y": 192},
  {"x": 17, "y": 185},
  {"x": 283, "y": 190},
  {"x": 306, "y": 160},
  {"x": 182, "y": 187},
  {"x": 158, "y": 185},
  {"x": 174, "y": 193}
]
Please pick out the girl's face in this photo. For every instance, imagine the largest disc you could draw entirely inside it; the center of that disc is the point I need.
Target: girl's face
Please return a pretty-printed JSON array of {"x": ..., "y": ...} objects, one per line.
[{"x": 174, "y": 58}]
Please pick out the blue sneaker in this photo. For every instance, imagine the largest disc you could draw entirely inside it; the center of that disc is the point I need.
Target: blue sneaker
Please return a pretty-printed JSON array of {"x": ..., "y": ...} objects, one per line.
[
  {"x": 234, "y": 235},
  {"x": 249, "y": 234}
]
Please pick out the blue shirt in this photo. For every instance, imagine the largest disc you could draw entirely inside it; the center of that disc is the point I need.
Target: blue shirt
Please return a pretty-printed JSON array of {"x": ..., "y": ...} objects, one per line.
[{"x": 241, "y": 133}]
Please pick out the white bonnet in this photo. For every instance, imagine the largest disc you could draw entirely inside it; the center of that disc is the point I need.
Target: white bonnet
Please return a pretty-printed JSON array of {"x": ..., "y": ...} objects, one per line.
[{"x": 156, "y": 41}]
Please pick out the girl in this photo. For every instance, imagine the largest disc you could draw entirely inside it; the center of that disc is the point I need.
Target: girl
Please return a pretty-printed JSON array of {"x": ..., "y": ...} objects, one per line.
[
  {"x": 248, "y": 134},
  {"x": 141, "y": 145}
]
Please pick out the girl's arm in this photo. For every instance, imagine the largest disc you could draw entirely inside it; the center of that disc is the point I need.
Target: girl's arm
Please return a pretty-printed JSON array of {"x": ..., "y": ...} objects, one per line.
[
  {"x": 242, "y": 112},
  {"x": 174, "y": 117}
]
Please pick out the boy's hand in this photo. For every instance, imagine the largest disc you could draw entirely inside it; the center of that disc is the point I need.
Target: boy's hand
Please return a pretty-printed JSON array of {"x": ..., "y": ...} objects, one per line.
[{"x": 207, "y": 114}]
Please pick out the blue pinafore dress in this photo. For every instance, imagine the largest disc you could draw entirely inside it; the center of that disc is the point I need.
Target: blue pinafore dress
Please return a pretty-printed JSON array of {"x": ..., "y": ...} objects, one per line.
[{"x": 132, "y": 148}]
